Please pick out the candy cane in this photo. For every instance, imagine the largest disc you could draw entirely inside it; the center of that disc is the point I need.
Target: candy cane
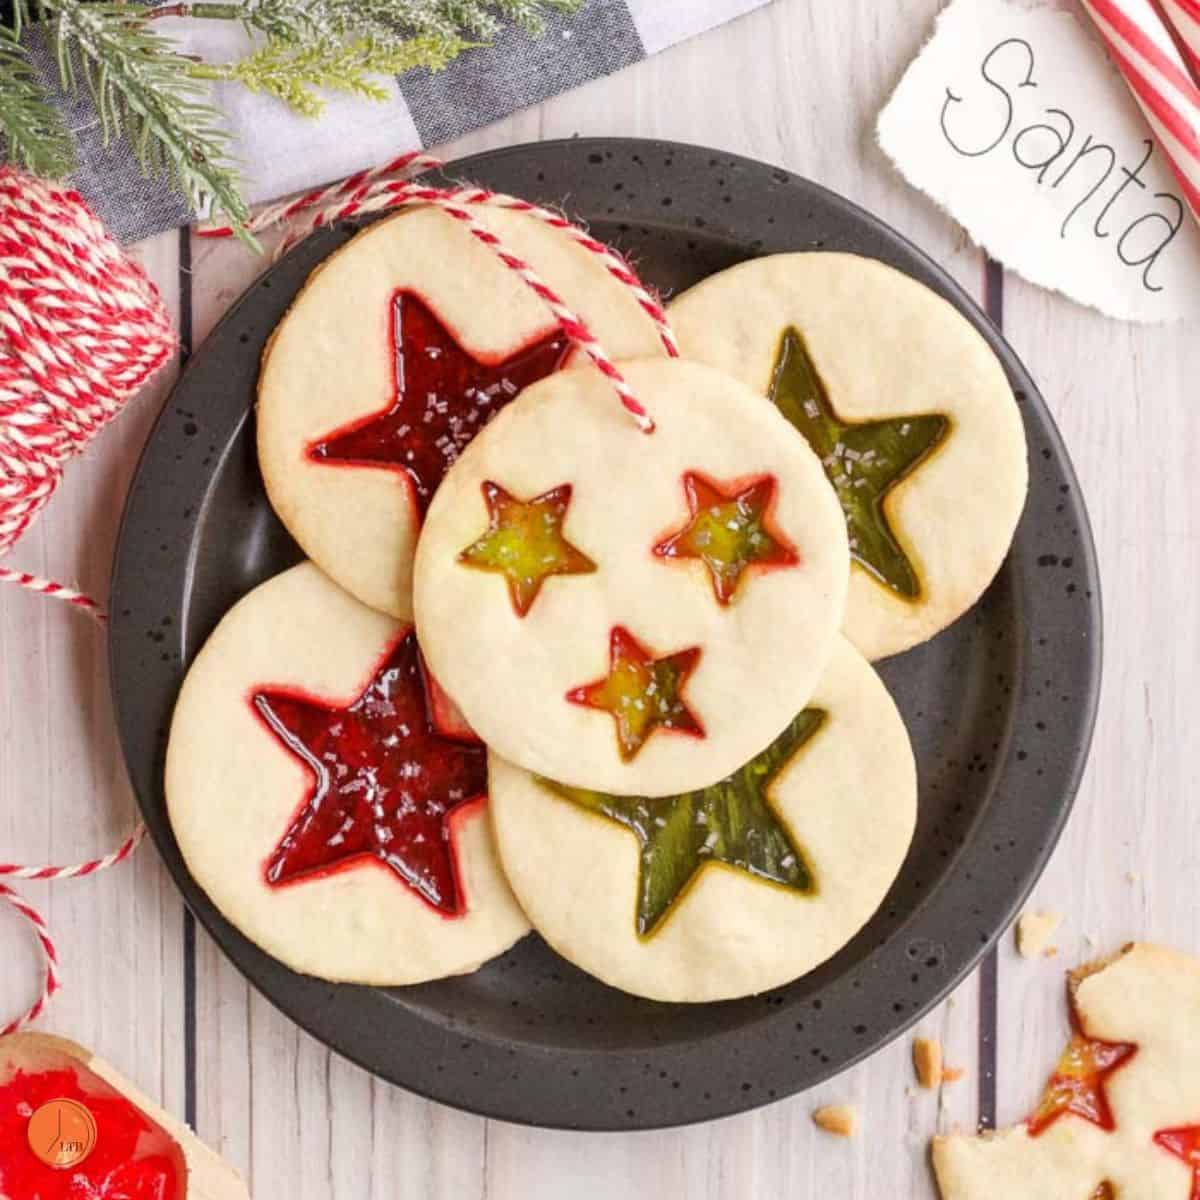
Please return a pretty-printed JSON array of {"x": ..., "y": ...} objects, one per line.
[
  {"x": 1144, "y": 52},
  {"x": 1184, "y": 18}
]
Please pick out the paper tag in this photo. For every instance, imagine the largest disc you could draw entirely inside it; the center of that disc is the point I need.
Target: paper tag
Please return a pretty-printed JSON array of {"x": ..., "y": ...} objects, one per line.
[{"x": 1014, "y": 121}]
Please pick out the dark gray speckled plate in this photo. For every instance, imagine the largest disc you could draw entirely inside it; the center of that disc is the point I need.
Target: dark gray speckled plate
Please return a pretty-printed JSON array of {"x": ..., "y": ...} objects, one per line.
[{"x": 1000, "y": 706}]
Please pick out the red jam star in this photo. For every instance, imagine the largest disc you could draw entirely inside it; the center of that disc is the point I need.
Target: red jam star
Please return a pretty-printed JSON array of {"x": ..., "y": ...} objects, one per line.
[
  {"x": 1077, "y": 1085},
  {"x": 642, "y": 692},
  {"x": 524, "y": 542},
  {"x": 385, "y": 782},
  {"x": 729, "y": 531},
  {"x": 444, "y": 396},
  {"x": 1184, "y": 1143}
]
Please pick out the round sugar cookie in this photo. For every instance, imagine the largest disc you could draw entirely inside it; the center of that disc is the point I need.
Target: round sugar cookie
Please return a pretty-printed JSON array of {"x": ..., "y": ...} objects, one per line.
[
  {"x": 734, "y": 890},
  {"x": 634, "y": 612},
  {"x": 401, "y": 346},
  {"x": 909, "y": 410},
  {"x": 318, "y": 802},
  {"x": 1119, "y": 1118}
]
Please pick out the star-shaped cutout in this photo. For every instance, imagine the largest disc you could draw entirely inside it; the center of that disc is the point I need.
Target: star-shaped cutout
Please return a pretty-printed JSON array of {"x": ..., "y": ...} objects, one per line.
[
  {"x": 384, "y": 781},
  {"x": 863, "y": 460},
  {"x": 443, "y": 397},
  {"x": 731, "y": 822},
  {"x": 1184, "y": 1143},
  {"x": 1077, "y": 1085},
  {"x": 643, "y": 693},
  {"x": 729, "y": 530},
  {"x": 524, "y": 542}
]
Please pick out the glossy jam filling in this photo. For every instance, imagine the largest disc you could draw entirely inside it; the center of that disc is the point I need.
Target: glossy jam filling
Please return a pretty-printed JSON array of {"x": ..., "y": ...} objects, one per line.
[
  {"x": 524, "y": 542},
  {"x": 132, "y": 1158},
  {"x": 443, "y": 397},
  {"x": 731, "y": 822},
  {"x": 729, "y": 531},
  {"x": 1184, "y": 1143},
  {"x": 641, "y": 692},
  {"x": 1077, "y": 1085},
  {"x": 863, "y": 460},
  {"x": 385, "y": 782}
]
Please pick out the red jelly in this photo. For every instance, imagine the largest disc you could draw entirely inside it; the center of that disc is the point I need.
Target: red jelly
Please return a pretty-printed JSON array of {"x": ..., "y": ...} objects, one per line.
[
  {"x": 641, "y": 692},
  {"x": 385, "y": 781},
  {"x": 1077, "y": 1085},
  {"x": 444, "y": 396},
  {"x": 1184, "y": 1143},
  {"x": 132, "y": 1159}
]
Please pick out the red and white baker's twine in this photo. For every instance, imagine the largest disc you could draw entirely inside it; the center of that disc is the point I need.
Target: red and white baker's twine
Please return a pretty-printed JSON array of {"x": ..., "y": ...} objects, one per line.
[
  {"x": 1148, "y": 45},
  {"x": 81, "y": 329},
  {"x": 379, "y": 190}
]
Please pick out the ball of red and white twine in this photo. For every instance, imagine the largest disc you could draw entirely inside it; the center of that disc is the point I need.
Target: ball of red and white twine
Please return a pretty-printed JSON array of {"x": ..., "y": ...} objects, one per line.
[
  {"x": 81, "y": 329},
  {"x": 1155, "y": 44}
]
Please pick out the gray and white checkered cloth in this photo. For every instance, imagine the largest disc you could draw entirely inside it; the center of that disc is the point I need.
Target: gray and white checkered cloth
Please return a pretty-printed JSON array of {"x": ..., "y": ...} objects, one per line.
[{"x": 280, "y": 152}]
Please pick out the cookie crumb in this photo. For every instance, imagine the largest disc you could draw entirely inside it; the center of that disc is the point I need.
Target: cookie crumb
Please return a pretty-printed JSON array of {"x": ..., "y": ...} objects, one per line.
[
  {"x": 953, "y": 1074},
  {"x": 1091, "y": 939},
  {"x": 839, "y": 1119},
  {"x": 927, "y": 1061},
  {"x": 1034, "y": 931},
  {"x": 1133, "y": 877}
]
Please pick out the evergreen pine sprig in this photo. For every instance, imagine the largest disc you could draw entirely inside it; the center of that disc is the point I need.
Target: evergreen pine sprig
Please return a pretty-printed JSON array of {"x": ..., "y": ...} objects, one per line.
[
  {"x": 289, "y": 72},
  {"x": 146, "y": 91},
  {"x": 32, "y": 132},
  {"x": 143, "y": 90}
]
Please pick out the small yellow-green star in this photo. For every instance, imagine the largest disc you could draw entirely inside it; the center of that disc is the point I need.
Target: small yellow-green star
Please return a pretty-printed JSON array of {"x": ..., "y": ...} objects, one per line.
[{"x": 524, "y": 542}]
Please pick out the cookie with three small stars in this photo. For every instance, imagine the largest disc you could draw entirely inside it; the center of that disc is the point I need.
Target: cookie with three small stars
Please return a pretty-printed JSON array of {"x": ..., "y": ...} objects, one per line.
[
  {"x": 325, "y": 799},
  {"x": 637, "y": 612},
  {"x": 1119, "y": 1118},
  {"x": 732, "y": 889},
  {"x": 401, "y": 346},
  {"x": 909, "y": 410}
]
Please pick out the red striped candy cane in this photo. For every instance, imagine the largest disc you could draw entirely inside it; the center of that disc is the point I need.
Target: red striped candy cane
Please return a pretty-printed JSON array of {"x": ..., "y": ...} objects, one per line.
[
  {"x": 1143, "y": 50},
  {"x": 1184, "y": 17}
]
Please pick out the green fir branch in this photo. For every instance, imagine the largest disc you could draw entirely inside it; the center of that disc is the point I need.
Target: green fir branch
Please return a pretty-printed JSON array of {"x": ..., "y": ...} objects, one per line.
[
  {"x": 32, "y": 131},
  {"x": 143, "y": 90},
  {"x": 305, "y": 21},
  {"x": 289, "y": 73}
]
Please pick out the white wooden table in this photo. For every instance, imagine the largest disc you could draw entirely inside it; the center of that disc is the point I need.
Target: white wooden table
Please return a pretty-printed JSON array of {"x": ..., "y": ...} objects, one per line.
[{"x": 150, "y": 992}]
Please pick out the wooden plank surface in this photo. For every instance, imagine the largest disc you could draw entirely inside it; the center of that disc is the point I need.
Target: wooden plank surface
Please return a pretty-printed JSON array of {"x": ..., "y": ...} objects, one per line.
[{"x": 154, "y": 996}]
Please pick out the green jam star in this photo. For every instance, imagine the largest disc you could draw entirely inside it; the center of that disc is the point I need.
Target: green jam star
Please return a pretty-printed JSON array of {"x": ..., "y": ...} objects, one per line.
[
  {"x": 864, "y": 460},
  {"x": 731, "y": 822},
  {"x": 524, "y": 542}
]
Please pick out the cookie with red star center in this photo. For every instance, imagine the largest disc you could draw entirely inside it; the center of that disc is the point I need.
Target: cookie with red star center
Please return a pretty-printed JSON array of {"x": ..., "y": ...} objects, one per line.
[
  {"x": 675, "y": 605},
  {"x": 906, "y": 405},
  {"x": 325, "y": 795},
  {"x": 1119, "y": 1118},
  {"x": 400, "y": 348},
  {"x": 731, "y": 889}
]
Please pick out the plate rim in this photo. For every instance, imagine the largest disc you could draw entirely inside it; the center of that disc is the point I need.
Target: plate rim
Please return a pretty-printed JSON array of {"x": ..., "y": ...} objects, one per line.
[{"x": 495, "y": 1105}]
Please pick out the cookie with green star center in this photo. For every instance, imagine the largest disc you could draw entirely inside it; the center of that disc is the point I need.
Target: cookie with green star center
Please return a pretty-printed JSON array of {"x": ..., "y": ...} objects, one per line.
[
  {"x": 636, "y": 612},
  {"x": 732, "y": 889},
  {"x": 1119, "y": 1117},
  {"x": 909, "y": 410}
]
